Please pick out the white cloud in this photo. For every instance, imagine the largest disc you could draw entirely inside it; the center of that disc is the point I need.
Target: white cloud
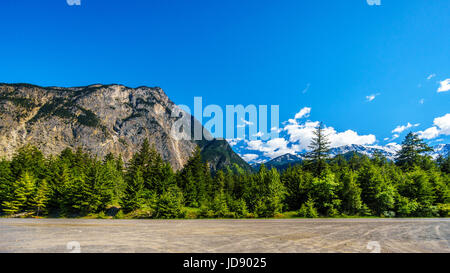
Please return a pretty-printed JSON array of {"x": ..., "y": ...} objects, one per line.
[
  {"x": 233, "y": 141},
  {"x": 272, "y": 148},
  {"x": 441, "y": 127},
  {"x": 372, "y": 97},
  {"x": 399, "y": 129},
  {"x": 421, "y": 101},
  {"x": 302, "y": 134},
  {"x": 431, "y": 76},
  {"x": 250, "y": 157},
  {"x": 444, "y": 124},
  {"x": 429, "y": 133},
  {"x": 275, "y": 129},
  {"x": 348, "y": 137},
  {"x": 445, "y": 86},
  {"x": 394, "y": 137},
  {"x": 307, "y": 88},
  {"x": 304, "y": 113},
  {"x": 298, "y": 137},
  {"x": 394, "y": 146}
]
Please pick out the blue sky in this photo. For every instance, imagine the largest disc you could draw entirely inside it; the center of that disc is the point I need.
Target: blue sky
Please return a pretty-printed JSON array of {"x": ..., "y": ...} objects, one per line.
[{"x": 330, "y": 56}]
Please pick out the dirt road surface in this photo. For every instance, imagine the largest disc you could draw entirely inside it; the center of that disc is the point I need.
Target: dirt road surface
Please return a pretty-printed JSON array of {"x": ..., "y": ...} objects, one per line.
[{"x": 223, "y": 236}]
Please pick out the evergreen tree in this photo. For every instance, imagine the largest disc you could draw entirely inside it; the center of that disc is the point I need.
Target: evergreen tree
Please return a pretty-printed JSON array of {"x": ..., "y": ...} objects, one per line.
[
  {"x": 351, "y": 194},
  {"x": 6, "y": 184},
  {"x": 219, "y": 205},
  {"x": 298, "y": 184},
  {"x": 192, "y": 180},
  {"x": 444, "y": 163},
  {"x": 319, "y": 151},
  {"x": 219, "y": 182},
  {"x": 77, "y": 195},
  {"x": 133, "y": 196},
  {"x": 324, "y": 194},
  {"x": 411, "y": 153},
  {"x": 22, "y": 196},
  {"x": 28, "y": 159},
  {"x": 40, "y": 200},
  {"x": 308, "y": 210},
  {"x": 170, "y": 204}
]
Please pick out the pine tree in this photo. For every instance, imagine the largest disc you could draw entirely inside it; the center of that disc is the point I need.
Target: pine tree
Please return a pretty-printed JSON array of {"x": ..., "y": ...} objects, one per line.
[
  {"x": 41, "y": 198},
  {"x": 219, "y": 205},
  {"x": 324, "y": 194},
  {"x": 6, "y": 184},
  {"x": 170, "y": 204},
  {"x": 192, "y": 180},
  {"x": 298, "y": 184},
  {"x": 351, "y": 194},
  {"x": 369, "y": 179},
  {"x": 28, "y": 159},
  {"x": 308, "y": 210},
  {"x": 190, "y": 189},
  {"x": 77, "y": 195},
  {"x": 219, "y": 182},
  {"x": 132, "y": 199},
  {"x": 319, "y": 153},
  {"x": 412, "y": 151},
  {"x": 21, "y": 199},
  {"x": 102, "y": 180}
]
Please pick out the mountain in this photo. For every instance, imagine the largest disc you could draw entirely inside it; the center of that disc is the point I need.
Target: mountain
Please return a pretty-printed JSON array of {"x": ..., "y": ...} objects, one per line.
[
  {"x": 281, "y": 162},
  {"x": 100, "y": 119},
  {"x": 441, "y": 149},
  {"x": 389, "y": 151},
  {"x": 220, "y": 155}
]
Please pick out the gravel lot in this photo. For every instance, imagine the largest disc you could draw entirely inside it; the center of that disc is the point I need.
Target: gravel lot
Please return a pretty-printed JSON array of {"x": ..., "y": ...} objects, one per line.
[{"x": 284, "y": 235}]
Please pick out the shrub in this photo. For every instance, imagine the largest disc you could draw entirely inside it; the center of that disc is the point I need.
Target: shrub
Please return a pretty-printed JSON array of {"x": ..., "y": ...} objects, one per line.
[{"x": 308, "y": 210}]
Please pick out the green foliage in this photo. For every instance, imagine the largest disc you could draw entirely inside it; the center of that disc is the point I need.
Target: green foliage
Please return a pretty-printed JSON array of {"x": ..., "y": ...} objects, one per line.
[
  {"x": 6, "y": 182},
  {"x": 88, "y": 118},
  {"x": 351, "y": 194},
  {"x": 22, "y": 196},
  {"x": 318, "y": 155},
  {"x": 219, "y": 205},
  {"x": 298, "y": 184},
  {"x": 308, "y": 210},
  {"x": 75, "y": 184},
  {"x": 170, "y": 204},
  {"x": 28, "y": 104},
  {"x": 133, "y": 196},
  {"x": 412, "y": 152},
  {"x": 41, "y": 198},
  {"x": 324, "y": 193},
  {"x": 193, "y": 180}
]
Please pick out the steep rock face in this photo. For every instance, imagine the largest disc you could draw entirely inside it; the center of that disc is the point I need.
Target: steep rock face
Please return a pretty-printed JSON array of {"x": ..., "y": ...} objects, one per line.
[{"x": 97, "y": 118}]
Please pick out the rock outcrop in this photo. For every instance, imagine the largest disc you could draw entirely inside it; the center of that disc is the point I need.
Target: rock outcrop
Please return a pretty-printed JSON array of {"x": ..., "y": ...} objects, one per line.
[{"x": 97, "y": 118}]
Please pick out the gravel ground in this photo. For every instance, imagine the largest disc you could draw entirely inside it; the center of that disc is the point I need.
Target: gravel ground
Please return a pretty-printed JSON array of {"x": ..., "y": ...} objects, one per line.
[{"x": 223, "y": 236}]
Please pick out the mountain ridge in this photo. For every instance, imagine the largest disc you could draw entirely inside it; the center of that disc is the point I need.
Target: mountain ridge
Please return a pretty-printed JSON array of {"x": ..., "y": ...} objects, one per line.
[
  {"x": 389, "y": 151},
  {"x": 100, "y": 119}
]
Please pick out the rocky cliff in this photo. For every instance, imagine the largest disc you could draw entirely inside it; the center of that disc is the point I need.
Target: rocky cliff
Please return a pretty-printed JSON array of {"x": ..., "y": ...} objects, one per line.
[{"x": 98, "y": 118}]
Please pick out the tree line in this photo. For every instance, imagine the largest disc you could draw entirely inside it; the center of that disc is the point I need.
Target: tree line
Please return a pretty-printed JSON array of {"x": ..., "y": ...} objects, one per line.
[{"x": 75, "y": 183}]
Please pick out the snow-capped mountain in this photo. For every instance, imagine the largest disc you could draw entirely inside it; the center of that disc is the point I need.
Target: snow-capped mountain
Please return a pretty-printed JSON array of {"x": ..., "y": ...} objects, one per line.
[
  {"x": 441, "y": 149},
  {"x": 389, "y": 151},
  {"x": 280, "y": 162}
]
